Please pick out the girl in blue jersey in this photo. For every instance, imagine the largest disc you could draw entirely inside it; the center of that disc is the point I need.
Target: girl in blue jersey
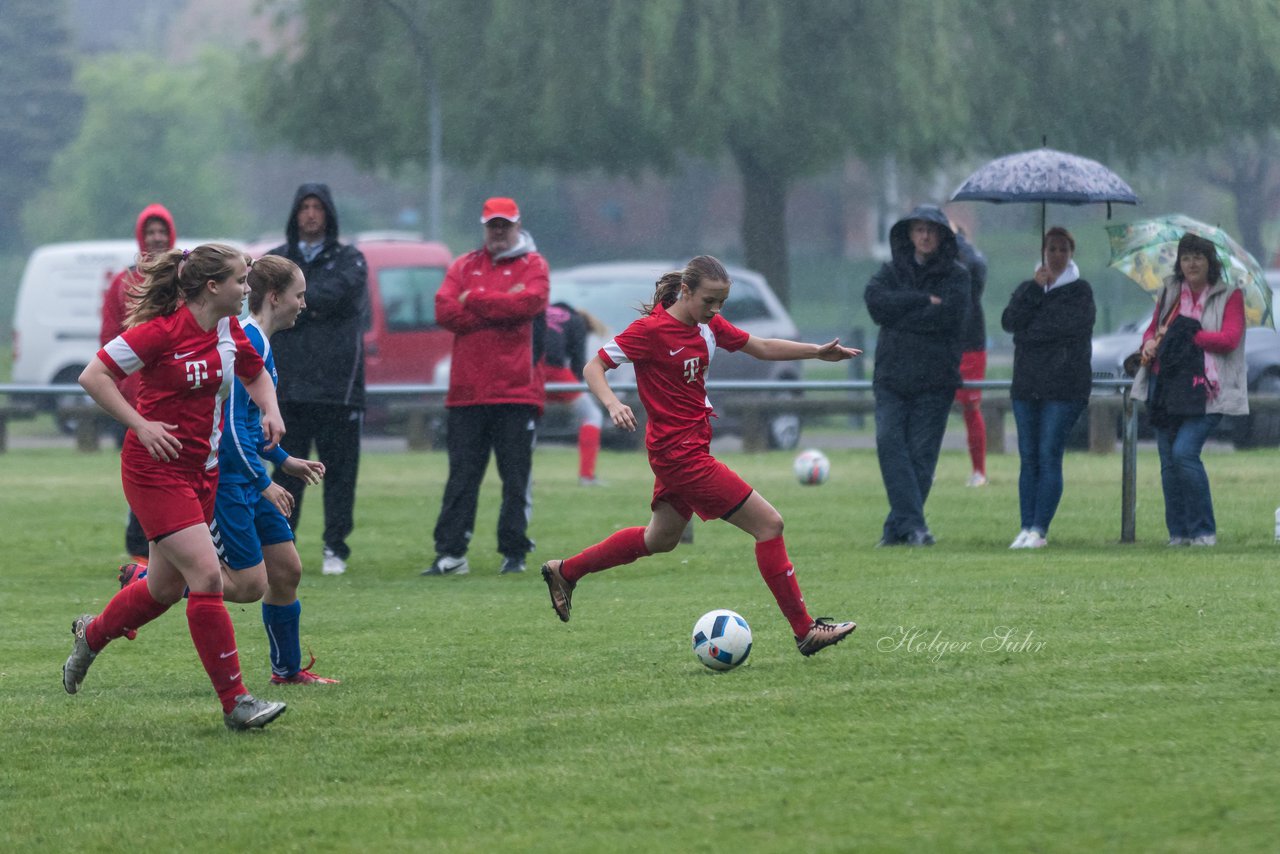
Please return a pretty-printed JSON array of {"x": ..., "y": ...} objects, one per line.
[{"x": 251, "y": 513}]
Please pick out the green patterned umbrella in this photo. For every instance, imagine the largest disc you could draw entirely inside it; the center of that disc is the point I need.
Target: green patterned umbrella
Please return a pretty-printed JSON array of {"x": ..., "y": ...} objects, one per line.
[{"x": 1146, "y": 250}]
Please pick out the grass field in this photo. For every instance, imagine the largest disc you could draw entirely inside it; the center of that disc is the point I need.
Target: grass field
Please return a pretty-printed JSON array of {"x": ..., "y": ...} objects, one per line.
[{"x": 1090, "y": 696}]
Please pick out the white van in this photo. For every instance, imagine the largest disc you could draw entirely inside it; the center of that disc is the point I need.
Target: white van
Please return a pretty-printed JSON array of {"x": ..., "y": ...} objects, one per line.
[
  {"x": 59, "y": 310},
  {"x": 58, "y": 314}
]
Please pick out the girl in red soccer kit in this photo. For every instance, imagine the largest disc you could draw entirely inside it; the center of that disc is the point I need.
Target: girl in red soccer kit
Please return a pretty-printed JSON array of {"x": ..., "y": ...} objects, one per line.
[
  {"x": 185, "y": 342},
  {"x": 671, "y": 348}
]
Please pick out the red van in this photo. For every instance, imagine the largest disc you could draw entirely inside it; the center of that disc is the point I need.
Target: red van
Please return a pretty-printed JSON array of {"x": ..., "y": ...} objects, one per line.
[{"x": 403, "y": 343}]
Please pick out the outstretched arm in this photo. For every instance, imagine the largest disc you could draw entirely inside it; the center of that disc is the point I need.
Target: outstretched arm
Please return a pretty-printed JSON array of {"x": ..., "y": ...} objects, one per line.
[
  {"x": 619, "y": 413},
  {"x": 781, "y": 350}
]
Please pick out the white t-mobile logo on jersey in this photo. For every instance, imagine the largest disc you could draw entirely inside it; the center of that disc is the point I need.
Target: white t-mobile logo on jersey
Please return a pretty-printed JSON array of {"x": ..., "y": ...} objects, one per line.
[
  {"x": 691, "y": 369},
  {"x": 197, "y": 372}
]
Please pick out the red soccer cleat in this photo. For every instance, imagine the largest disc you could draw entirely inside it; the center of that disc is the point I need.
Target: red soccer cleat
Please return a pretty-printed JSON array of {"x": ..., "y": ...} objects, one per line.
[
  {"x": 131, "y": 572},
  {"x": 304, "y": 677}
]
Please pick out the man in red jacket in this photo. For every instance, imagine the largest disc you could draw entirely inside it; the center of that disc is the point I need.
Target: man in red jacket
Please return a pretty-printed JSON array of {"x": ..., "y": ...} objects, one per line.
[
  {"x": 155, "y": 233},
  {"x": 489, "y": 301}
]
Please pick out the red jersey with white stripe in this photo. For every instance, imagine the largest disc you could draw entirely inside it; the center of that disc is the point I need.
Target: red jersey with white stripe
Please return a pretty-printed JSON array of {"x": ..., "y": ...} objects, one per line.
[
  {"x": 186, "y": 373},
  {"x": 671, "y": 360}
]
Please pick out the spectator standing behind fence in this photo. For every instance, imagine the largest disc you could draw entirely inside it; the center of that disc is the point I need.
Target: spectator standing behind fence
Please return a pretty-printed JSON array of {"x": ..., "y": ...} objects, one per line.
[
  {"x": 489, "y": 300},
  {"x": 973, "y": 357},
  {"x": 155, "y": 233},
  {"x": 321, "y": 363},
  {"x": 919, "y": 299},
  {"x": 1051, "y": 317},
  {"x": 564, "y": 356},
  {"x": 1193, "y": 372}
]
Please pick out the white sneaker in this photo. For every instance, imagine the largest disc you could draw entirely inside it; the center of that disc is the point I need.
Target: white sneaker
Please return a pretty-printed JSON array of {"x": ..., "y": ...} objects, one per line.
[
  {"x": 1035, "y": 540},
  {"x": 1020, "y": 541},
  {"x": 977, "y": 479},
  {"x": 333, "y": 565},
  {"x": 1204, "y": 540}
]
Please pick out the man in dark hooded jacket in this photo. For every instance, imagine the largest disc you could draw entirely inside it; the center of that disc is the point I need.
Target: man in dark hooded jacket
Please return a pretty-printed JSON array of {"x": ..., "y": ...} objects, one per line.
[
  {"x": 919, "y": 299},
  {"x": 321, "y": 365}
]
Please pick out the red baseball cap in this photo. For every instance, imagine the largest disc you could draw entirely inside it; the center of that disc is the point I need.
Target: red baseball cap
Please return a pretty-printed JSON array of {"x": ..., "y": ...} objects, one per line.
[{"x": 500, "y": 208}]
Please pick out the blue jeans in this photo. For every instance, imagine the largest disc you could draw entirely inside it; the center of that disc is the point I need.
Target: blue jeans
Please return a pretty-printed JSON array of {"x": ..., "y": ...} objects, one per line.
[
  {"x": 908, "y": 438},
  {"x": 1043, "y": 426},
  {"x": 1188, "y": 504}
]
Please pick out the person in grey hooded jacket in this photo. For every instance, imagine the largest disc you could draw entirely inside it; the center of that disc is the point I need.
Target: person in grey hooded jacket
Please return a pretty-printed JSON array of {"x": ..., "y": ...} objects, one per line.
[
  {"x": 919, "y": 299},
  {"x": 321, "y": 365}
]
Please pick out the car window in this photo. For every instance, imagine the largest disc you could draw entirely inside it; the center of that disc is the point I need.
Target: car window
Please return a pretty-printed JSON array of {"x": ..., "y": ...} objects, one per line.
[
  {"x": 744, "y": 304},
  {"x": 409, "y": 296}
]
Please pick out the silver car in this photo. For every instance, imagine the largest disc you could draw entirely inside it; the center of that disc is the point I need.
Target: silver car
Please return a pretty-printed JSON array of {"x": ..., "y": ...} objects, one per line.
[{"x": 614, "y": 293}]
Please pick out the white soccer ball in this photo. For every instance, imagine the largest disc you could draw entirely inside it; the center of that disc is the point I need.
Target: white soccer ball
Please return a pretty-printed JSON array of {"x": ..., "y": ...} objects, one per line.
[
  {"x": 812, "y": 467},
  {"x": 721, "y": 639}
]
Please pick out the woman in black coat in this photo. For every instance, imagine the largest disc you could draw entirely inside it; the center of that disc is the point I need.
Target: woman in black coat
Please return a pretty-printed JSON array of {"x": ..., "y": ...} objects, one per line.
[{"x": 1051, "y": 317}]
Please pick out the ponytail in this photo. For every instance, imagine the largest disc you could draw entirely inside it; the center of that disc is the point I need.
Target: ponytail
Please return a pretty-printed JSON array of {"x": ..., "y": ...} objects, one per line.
[{"x": 666, "y": 292}]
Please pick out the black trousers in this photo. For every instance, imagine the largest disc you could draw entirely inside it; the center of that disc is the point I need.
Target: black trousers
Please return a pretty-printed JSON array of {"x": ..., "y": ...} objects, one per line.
[
  {"x": 509, "y": 430},
  {"x": 135, "y": 541},
  {"x": 335, "y": 431}
]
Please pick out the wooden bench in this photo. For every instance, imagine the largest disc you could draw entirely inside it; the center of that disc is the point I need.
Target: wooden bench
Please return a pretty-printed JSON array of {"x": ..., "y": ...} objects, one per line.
[
  {"x": 756, "y": 411},
  {"x": 12, "y": 411},
  {"x": 90, "y": 422},
  {"x": 421, "y": 417}
]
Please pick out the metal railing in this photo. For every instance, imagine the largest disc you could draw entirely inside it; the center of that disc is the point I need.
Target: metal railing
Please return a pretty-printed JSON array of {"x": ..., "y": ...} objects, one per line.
[{"x": 1129, "y": 418}]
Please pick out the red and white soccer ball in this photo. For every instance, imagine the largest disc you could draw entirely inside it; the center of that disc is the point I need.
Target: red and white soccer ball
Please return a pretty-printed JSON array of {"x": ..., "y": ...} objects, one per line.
[
  {"x": 721, "y": 639},
  {"x": 812, "y": 468}
]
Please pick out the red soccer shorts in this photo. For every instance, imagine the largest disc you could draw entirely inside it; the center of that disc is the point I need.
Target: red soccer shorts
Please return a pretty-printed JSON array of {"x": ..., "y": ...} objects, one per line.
[
  {"x": 167, "y": 499},
  {"x": 560, "y": 375},
  {"x": 696, "y": 482}
]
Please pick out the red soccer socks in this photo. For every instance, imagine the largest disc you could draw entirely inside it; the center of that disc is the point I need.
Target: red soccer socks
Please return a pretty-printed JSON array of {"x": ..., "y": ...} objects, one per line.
[
  {"x": 780, "y": 575},
  {"x": 618, "y": 548},
  {"x": 128, "y": 610},
  {"x": 215, "y": 641}
]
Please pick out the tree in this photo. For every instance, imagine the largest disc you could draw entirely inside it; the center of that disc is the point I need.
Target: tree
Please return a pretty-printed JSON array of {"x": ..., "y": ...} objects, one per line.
[
  {"x": 150, "y": 134},
  {"x": 785, "y": 89},
  {"x": 39, "y": 108},
  {"x": 1122, "y": 81},
  {"x": 793, "y": 88}
]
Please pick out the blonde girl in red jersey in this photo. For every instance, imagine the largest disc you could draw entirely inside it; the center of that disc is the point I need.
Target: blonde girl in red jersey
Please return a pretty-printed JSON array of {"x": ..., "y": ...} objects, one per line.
[
  {"x": 671, "y": 348},
  {"x": 185, "y": 342}
]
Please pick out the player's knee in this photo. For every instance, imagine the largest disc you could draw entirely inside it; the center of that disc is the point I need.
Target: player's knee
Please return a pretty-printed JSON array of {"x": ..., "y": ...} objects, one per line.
[
  {"x": 285, "y": 577},
  {"x": 662, "y": 542},
  {"x": 244, "y": 587}
]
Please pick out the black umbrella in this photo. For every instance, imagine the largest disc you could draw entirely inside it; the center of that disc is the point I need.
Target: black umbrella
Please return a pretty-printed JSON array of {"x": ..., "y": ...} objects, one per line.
[{"x": 1044, "y": 175}]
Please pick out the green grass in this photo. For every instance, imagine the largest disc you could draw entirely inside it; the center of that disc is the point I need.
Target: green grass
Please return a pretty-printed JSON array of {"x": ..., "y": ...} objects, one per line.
[{"x": 1133, "y": 707}]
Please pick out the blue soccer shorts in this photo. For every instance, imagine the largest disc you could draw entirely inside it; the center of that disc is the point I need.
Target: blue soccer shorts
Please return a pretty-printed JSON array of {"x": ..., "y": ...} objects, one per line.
[{"x": 244, "y": 522}]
